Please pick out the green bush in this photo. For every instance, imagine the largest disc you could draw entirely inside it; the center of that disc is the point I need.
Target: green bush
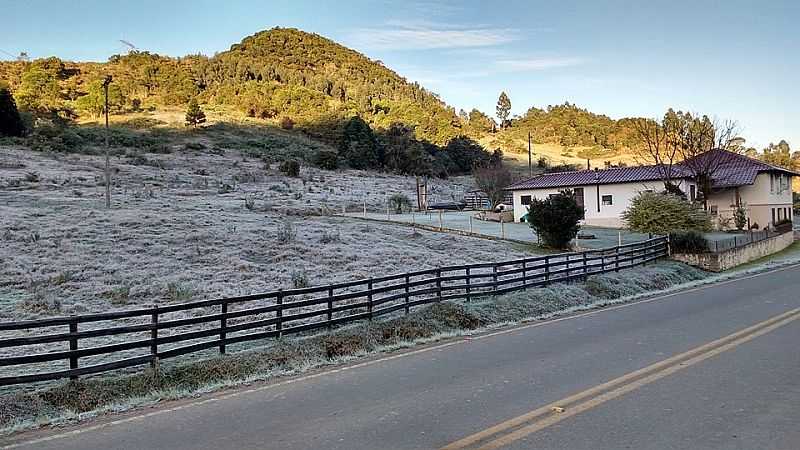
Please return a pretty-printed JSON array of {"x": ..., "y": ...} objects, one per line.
[
  {"x": 399, "y": 202},
  {"x": 327, "y": 159},
  {"x": 688, "y": 242},
  {"x": 290, "y": 167},
  {"x": 662, "y": 213},
  {"x": 555, "y": 219}
]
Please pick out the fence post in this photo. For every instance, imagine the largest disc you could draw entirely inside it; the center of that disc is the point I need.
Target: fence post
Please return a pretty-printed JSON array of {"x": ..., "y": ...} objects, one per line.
[
  {"x": 470, "y": 224},
  {"x": 546, "y": 270},
  {"x": 154, "y": 337},
  {"x": 73, "y": 345},
  {"x": 494, "y": 277},
  {"x": 524, "y": 275},
  {"x": 365, "y": 207},
  {"x": 279, "y": 313},
  {"x": 406, "y": 299},
  {"x": 369, "y": 298},
  {"x": 330, "y": 307},
  {"x": 616, "y": 259},
  {"x": 469, "y": 288},
  {"x": 441, "y": 225},
  {"x": 223, "y": 326},
  {"x": 502, "y": 228},
  {"x": 438, "y": 283},
  {"x": 585, "y": 267}
]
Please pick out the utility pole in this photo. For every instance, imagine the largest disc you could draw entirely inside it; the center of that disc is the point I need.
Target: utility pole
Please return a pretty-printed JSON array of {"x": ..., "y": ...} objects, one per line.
[
  {"x": 106, "y": 82},
  {"x": 530, "y": 156}
]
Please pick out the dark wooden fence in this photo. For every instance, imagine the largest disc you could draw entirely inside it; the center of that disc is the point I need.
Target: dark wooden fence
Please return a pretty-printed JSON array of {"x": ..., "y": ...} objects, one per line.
[{"x": 147, "y": 335}]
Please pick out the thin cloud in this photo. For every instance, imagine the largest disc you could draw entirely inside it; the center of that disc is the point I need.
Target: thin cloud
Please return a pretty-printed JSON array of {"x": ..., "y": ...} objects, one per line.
[
  {"x": 534, "y": 64},
  {"x": 429, "y": 35}
]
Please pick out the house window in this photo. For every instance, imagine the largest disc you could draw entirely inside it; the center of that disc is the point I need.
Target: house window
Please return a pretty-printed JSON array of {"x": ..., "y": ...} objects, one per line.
[
  {"x": 608, "y": 200},
  {"x": 771, "y": 183},
  {"x": 773, "y": 215},
  {"x": 713, "y": 209},
  {"x": 526, "y": 200},
  {"x": 692, "y": 192}
]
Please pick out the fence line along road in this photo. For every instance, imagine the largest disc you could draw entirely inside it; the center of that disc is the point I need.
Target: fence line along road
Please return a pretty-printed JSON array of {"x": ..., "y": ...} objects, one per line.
[{"x": 236, "y": 320}]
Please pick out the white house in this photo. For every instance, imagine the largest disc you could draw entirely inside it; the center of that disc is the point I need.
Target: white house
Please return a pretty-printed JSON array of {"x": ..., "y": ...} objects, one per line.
[{"x": 764, "y": 190}]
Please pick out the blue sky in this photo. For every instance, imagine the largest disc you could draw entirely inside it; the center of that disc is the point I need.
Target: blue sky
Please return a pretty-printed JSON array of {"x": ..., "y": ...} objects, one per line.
[{"x": 731, "y": 59}]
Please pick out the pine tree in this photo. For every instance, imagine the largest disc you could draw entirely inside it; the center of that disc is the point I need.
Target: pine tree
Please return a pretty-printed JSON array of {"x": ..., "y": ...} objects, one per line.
[
  {"x": 503, "y": 108},
  {"x": 194, "y": 114},
  {"x": 10, "y": 121}
]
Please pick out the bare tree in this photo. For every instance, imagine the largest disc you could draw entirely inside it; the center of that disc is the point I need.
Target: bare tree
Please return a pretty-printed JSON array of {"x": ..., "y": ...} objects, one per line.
[
  {"x": 699, "y": 139},
  {"x": 658, "y": 146},
  {"x": 493, "y": 179}
]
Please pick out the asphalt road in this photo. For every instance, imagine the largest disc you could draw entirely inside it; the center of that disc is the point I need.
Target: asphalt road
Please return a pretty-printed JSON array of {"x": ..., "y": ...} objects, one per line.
[{"x": 711, "y": 368}]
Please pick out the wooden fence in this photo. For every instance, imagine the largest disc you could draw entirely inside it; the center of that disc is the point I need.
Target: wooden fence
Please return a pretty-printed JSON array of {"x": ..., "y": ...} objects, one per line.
[{"x": 236, "y": 320}]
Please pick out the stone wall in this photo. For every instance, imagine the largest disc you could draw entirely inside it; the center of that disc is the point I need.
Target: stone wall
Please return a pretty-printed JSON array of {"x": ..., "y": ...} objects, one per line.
[{"x": 718, "y": 262}]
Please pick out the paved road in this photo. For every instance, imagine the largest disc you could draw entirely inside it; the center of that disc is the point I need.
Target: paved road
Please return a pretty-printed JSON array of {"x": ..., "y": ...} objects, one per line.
[{"x": 712, "y": 368}]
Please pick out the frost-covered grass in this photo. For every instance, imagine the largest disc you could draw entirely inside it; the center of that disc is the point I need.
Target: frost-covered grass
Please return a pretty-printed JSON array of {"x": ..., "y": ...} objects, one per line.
[
  {"x": 176, "y": 233},
  {"x": 75, "y": 400}
]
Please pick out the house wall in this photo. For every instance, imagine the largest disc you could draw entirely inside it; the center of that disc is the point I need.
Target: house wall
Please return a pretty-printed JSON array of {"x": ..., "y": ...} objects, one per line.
[
  {"x": 759, "y": 201},
  {"x": 608, "y": 215}
]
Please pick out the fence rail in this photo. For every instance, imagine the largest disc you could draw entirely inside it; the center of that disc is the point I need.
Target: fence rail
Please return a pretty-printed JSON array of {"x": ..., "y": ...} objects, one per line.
[
  {"x": 747, "y": 238},
  {"x": 236, "y": 320}
]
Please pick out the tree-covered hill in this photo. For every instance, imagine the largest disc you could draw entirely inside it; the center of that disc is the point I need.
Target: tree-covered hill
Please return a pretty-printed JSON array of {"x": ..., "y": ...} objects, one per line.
[{"x": 270, "y": 75}]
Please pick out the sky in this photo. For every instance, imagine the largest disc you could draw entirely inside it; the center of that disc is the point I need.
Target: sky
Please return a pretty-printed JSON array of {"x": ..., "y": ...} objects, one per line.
[{"x": 731, "y": 59}]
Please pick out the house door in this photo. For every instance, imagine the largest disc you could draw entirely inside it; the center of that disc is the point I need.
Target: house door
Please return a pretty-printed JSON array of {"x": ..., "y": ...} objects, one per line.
[{"x": 578, "y": 192}]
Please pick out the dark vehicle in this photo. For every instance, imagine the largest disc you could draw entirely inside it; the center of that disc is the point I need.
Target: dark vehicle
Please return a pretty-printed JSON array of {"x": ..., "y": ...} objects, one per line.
[{"x": 448, "y": 206}]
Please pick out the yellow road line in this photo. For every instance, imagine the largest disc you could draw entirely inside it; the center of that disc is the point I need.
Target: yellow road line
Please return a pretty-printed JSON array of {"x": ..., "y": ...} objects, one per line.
[{"x": 616, "y": 387}]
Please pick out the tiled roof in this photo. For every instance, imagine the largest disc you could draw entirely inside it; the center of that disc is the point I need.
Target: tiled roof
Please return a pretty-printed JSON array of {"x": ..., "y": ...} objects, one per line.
[
  {"x": 731, "y": 169},
  {"x": 591, "y": 177}
]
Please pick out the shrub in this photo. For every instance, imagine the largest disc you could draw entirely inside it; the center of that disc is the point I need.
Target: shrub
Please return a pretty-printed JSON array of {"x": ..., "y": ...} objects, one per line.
[
  {"x": 327, "y": 159},
  {"x": 688, "y": 242},
  {"x": 398, "y": 202},
  {"x": 555, "y": 219},
  {"x": 286, "y": 232},
  {"x": 290, "y": 167},
  {"x": 740, "y": 217},
  {"x": 300, "y": 279},
  {"x": 329, "y": 236},
  {"x": 287, "y": 123},
  {"x": 249, "y": 202},
  {"x": 662, "y": 213},
  {"x": 179, "y": 292}
]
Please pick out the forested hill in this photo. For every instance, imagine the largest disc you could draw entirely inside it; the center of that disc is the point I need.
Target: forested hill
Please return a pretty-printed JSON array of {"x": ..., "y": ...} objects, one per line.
[{"x": 270, "y": 75}]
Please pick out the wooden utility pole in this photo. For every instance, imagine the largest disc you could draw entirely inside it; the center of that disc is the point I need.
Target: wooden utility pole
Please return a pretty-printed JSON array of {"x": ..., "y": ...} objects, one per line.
[
  {"x": 530, "y": 156},
  {"x": 106, "y": 82}
]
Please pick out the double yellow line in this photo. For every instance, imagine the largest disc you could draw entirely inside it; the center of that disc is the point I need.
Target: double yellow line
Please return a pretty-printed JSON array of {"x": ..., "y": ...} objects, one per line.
[{"x": 519, "y": 427}]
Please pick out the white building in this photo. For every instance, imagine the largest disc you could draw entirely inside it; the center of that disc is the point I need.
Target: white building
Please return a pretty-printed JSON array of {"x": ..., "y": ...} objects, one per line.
[{"x": 763, "y": 190}]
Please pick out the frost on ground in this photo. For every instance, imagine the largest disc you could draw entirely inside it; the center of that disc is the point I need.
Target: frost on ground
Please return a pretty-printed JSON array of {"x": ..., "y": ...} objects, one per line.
[
  {"x": 197, "y": 225},
  {"x": 66, "y": 401}
]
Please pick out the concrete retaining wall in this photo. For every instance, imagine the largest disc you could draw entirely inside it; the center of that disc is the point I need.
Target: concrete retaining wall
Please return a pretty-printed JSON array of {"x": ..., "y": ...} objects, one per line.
[{"x": 718, "y": 262}]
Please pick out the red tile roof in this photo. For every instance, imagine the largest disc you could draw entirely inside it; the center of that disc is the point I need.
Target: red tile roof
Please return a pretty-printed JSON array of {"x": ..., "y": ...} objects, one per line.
[
  {"x": 731, "y": 169},
  {"x": 591, "y": 177}
]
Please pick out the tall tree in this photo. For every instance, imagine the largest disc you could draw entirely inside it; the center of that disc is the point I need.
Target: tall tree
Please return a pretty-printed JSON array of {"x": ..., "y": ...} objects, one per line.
[
  {"x": 658, "y": 145},
  {"x": 93, "y": 103},
  {"x": 493, "y": 179},
  {"x": 10, "y": 121},
  {"x": 359, "y": 146},
  {"x": 503, "y": 109},
  {"x": 194, "y": 114}
]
